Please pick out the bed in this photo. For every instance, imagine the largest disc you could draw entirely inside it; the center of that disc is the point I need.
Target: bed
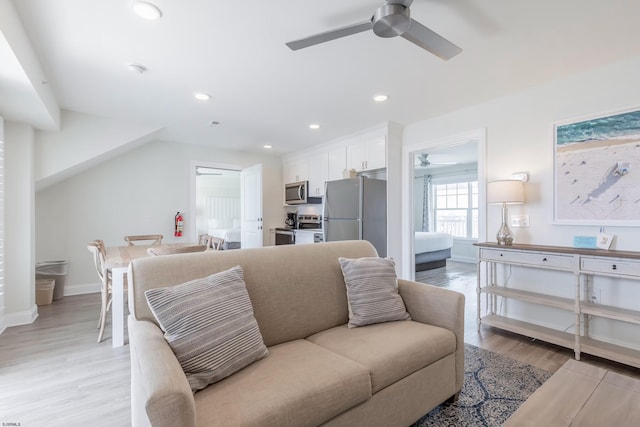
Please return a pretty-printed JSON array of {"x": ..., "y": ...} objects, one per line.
[
  {"x": 228, "y": 231},
  {"x": 432, "y": 249}
]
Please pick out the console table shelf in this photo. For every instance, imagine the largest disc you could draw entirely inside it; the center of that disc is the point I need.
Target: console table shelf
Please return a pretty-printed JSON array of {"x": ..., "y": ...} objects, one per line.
[
  {"x": 621, "y": 314},
  {"x": 610, "y": 351},
  {"x": 532, "y": 330},
  {"x": 580, "y": 267},
  {"x": 532, "y": 297}
]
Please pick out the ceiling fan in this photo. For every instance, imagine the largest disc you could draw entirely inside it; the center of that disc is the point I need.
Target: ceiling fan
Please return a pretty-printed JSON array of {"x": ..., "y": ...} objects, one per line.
[
  {"x": 390, "y": 20},
  {"x": 423, "y": 161},
  {"x": 203, "y": 171}
]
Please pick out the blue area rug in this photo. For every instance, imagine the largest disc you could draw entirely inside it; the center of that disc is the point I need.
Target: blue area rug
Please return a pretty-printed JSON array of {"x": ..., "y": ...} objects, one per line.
[{"x": 494, "y": 387}]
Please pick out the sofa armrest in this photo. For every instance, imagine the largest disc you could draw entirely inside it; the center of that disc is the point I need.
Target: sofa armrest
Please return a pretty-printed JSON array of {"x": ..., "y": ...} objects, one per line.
[
  {"x": 438, "y": 307},
  {"x": 160, "y": 392}
]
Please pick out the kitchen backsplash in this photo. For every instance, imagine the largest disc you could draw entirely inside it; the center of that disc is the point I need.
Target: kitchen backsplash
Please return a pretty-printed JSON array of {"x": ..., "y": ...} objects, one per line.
[{"x": 314, "y": 209}]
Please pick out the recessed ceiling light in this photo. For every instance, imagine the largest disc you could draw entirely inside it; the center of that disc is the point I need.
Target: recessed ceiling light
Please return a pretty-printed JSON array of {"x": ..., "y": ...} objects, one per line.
[
  {"x": 267, "y": 146},
  {"x": 314, "y": 126},
  {"x": 380, "y": 98},
  {"x": 146, "y": 10},
  {"x": 136, "y": 68},
  {"x": 202, "y": 96}
]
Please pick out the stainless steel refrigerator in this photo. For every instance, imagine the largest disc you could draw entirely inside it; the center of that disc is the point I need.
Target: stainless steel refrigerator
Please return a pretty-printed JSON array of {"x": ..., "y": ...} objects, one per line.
[{"x": 356, "y": 209}]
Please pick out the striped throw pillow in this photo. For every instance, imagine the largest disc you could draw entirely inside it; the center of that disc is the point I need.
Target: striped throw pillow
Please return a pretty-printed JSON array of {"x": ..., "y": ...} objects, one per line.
[
  {"x": 210, "y": 326},
  {"x": 372, "y": 291}
]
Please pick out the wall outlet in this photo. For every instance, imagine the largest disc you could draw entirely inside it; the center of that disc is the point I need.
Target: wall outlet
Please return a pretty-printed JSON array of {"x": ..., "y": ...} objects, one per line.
[
  {"x": 520, "y": 221},
  {"x": 596, "y": 296}
]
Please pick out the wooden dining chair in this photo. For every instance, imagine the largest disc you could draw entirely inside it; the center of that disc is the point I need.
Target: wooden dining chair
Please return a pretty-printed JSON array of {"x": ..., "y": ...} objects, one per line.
[
  {"x": 205, "y": 239},
  {"x": 169, "y": 250},
  {"x": 216, "y": 243},
  {"x": 98, "y": 250},
  {"x": 154, "y": 239}
]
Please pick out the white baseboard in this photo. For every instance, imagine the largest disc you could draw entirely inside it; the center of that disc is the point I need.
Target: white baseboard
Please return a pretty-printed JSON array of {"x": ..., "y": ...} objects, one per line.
[
  {"x": 89, "y": 288},
  {"x": 22, "y": 318}
]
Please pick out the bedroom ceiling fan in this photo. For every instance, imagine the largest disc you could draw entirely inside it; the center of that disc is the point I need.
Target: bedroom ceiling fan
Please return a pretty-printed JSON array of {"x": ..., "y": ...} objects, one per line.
[
  {"x": 391, "y": 19},
  {"x": 200, "y": 171},
  {"x": 423, "y": 161}
]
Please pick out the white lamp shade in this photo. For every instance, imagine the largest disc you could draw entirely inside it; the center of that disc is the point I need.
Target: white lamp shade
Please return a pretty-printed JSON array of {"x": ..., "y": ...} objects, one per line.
[{"x": 509, "y": 191}]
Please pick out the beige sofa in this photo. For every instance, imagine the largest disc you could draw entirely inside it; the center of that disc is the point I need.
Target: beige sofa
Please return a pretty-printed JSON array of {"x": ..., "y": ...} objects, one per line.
[{"x": 318, "y": 371}]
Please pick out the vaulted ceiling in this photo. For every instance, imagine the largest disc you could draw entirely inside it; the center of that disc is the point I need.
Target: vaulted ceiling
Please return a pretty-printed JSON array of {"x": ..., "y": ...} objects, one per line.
[{"x": 264, "y": 93}]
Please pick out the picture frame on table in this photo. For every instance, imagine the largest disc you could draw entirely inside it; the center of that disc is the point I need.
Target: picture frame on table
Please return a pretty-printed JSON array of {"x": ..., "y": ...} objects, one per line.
[{"x": 597, "y": 170}]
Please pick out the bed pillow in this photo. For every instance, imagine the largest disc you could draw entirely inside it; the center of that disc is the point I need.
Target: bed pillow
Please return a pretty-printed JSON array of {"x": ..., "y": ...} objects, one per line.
[
  {"x": 372, "y": 291},
  {"x": 210, "y": 326},
  {"x": 236, "y": 223}
]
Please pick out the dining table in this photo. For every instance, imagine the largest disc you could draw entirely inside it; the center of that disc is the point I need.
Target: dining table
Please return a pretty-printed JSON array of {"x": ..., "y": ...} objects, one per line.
[{"x": 117, "y": 262}]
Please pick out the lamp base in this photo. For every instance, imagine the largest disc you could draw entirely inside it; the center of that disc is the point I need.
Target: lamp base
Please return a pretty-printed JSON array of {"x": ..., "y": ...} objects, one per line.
[{"x": 504, "y": 235}]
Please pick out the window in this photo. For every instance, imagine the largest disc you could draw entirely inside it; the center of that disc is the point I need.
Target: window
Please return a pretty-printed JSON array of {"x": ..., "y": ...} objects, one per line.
[{"x": 456, "y": 209}]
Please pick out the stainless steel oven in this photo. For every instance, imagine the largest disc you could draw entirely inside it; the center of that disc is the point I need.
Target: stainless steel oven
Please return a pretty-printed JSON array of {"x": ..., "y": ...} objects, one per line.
[{"x": 285, "y": 236}]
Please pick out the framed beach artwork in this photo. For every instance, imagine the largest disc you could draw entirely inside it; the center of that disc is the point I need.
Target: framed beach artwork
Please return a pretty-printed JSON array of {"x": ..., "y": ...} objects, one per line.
[{"x": 597, "y": 170}]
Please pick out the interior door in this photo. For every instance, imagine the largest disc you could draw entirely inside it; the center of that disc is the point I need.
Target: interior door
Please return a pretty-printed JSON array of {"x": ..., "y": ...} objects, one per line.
[{"x": 251, "y": 207}]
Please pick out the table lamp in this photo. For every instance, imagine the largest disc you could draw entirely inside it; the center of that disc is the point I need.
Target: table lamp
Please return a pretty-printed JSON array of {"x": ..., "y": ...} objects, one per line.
[{"x": 505, "y": 192}]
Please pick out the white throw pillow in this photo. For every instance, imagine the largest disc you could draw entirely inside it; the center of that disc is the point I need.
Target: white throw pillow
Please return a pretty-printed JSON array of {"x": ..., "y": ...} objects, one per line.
[
  {"x": 210, "y": 326},
  {"x": 372, "y": 291}
]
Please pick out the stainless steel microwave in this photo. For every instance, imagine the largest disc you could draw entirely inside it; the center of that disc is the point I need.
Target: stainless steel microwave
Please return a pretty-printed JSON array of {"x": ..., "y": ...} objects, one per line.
[{"x": 297, "y": 193}]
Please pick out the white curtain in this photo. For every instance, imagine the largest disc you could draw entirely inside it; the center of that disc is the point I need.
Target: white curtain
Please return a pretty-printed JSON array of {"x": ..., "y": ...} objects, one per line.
[{"x": 426, "y": 203}]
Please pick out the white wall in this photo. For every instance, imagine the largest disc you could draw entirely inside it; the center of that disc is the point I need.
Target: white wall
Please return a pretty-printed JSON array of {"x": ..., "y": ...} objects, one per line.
[
  {"x": 19, "y": 258},
  {"x": 520, "y": 138},
  {"x": 3, "y": 323},
  {"x": 137, "y": 192}
]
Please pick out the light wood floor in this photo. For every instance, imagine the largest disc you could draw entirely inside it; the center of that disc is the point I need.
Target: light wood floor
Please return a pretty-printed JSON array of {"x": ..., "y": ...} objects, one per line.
[{"x": 53, "y": 373}]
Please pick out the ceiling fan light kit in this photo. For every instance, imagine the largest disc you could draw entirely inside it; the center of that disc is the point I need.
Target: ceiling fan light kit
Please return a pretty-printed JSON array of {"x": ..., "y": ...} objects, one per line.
[{"x": 390, "y": 20}]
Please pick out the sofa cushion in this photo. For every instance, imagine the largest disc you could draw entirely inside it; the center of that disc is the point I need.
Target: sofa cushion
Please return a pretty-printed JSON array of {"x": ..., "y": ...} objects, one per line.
[
  {"x": 299, "y": 384},
  {"x": 372, "y": 291},
  {"x": 209, "y": 325},
  {"x": 392, "y": 350}
]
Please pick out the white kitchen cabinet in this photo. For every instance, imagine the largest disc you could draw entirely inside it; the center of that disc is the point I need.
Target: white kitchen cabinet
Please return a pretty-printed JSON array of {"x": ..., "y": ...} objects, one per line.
[
  {"x": 367, "y": 154},
  {"x": 337, "y": 163},
  {"x": 318, "y": 173},
  {"x": 574, "y": 275},
  {"x": 296, "y": 170}
]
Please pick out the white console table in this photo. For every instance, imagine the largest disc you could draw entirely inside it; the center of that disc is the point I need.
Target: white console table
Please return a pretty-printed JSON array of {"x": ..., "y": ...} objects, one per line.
[{"x": 582, "y": 265}]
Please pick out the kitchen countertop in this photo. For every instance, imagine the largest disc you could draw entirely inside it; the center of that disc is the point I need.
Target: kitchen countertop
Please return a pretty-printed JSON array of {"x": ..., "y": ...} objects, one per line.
[{"x": 314, "y": 230}]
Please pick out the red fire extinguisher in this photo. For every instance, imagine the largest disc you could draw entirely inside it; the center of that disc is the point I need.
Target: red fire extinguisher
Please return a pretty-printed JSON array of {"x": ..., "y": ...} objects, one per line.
[{"x": 179, "y": 225}]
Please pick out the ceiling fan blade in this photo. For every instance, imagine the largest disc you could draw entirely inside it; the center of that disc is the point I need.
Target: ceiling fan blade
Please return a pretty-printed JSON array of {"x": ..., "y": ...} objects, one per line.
[
  {"x": 431, "y": 41},
  {"x": 330, "y": 35}
]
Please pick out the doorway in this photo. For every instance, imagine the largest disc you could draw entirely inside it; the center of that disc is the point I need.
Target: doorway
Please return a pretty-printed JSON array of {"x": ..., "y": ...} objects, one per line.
[
  {"x": 444, "y": 200},
  {"x": 217, "y": 203}
]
